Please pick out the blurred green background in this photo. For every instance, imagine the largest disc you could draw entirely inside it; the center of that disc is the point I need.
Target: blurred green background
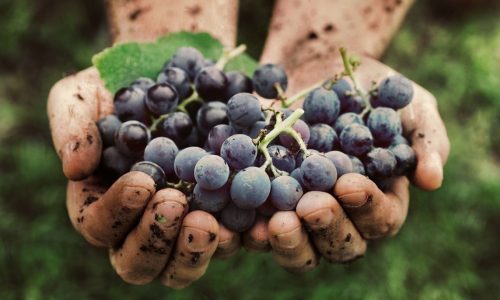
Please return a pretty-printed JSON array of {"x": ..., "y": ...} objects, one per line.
[{"x": 448, "y": 248}]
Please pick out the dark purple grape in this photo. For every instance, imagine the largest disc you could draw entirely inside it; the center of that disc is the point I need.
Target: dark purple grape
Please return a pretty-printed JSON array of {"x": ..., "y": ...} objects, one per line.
[
  {"x": 211, "y": 172},
  {"x": 250, "y": 188},
  {"x": 218, "y": 135},
  {"x": 162, "y": 151},
  {"x": 321, "y": 106},
  {"x": 395, "y": 92},
  {"x": 380, "y": 163},
  {"x": 115, "y": 161},
  {"x": 405, "y": 157},
  {"x": 345, "y": 120},
  {"x": 211, "y": 83},
  {"x": 152, "y": 169},
  {"x": 384, "y": 124},
  {"x": 299, "y": 158},
  {"x": 342, "y": 162},
  {"x": 282, "y": 158},
  {"x": 244, "y": 110},
  {"x": 239, "y": 151},
  {"x": 349, "y": 101},
  {"x": 211, "y": 200},
  {"x": 237, "y": 219},
  {"x": 131, "y": 138},
  {"x": 129, "y": 105},
  {"x": 323, "y": 138},
  {"x": 318, "y": 173},
  {"x": 356, "y": 139},
  {"x": 179, "y": 79},
  {"x": 177, "y": 126},
  {"x": 357, "y": 165},
  {"x": 399, "y": 139},
  {"x": 237, "y": 82},
  {"x": 143, "y": 83},
  {"x": 255, "y": 129},
  {"x": 185, "y": 162},
  {"x": 161, "y": 98},
  {"x": 265, "y": 77},
  {"x": 285, "y": 192},
  {"x": 302, "y": 129},
  {"x": 108, "y": 126},
  {"x": 188, "y": 59},
  {"x": 210, "y": 115}
]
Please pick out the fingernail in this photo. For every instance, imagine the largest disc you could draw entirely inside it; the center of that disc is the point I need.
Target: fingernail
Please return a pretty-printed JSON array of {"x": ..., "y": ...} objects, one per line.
[
  {"x": 168, "y": 213},
  {"x": 197, "y": 240},
  {"x": 355, "y": 199}
]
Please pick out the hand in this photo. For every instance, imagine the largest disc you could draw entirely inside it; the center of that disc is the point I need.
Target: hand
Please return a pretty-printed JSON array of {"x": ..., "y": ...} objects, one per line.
[
  {"x": 149, "y": 233},
  {"x": 339, "y": 225}
]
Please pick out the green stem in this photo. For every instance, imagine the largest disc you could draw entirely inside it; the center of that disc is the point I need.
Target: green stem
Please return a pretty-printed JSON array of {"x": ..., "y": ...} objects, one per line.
[
  {"x": 193, "y": 98},
  {"x": 301, "y": 94},
  {"x": 281, "y": 126},
  {"x": 157, "y": 122},
  {"x": 296, "y": 136},
  {"x": 348, "y": 71},
  {"x": 228, "y": 55}
]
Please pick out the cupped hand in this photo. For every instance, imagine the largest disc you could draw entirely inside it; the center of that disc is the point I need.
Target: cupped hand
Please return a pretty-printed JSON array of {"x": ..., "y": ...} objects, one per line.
[
  {"x": 149, "y": 233},
  {"x": 337, "y": 225}
]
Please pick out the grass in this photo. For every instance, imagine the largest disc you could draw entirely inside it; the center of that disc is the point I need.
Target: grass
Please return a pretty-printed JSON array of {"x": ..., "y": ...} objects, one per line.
[{"x": 446, "y": 250}]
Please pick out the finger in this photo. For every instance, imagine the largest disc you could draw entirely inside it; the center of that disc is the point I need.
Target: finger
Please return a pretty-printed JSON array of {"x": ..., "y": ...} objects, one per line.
[
  {"x": 333, "y": 233},
  {"x": 430, "y": 141},
  {"x": 196, "y": 244},
  {"x": 229, "y": 243},
  {"x": 374, "y": 213},
  {"x": 289, "y": 242},
  {"x": 74, "y": 104},
  {"x": 105, "y": 220},
  {"x": 147, "y": 248},
  {"x": 257, "y": 237}
]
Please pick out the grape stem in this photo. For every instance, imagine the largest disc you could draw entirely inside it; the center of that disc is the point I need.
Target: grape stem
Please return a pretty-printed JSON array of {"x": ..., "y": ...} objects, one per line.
[
  {"x": 193, "y": 98},
  {"x": 301, "y": 94},
  {"x": 280, "y": 127},
  {"x": 227, "y": 55}
]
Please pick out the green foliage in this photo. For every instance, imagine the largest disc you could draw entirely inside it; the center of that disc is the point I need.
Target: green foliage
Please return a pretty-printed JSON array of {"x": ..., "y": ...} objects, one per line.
[
  {"x": 123, "y": 63},
  {"x": 447, "y": 249}
]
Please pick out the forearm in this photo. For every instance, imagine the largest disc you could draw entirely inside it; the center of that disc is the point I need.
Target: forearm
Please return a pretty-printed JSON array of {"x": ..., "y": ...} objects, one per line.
[
  {"x": 312, "y": 30},
  {"x": 145, "y": 20}
]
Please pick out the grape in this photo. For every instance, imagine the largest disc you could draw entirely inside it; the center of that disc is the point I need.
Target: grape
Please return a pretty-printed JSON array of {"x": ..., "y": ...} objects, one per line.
[
  {"x": 244, "y": 109},
  {"x": 302, "y": 129},
  {"x": 210, "y": 83},
  {"x": 267, "y": 209},
  {"x": 129, "y": 105},
  {"x": 142, "y": 83},
  {"x": 356, "y": 104},
  {"x": 299, "y": 158},
  {"x": 323, "y": 138},
  {"x": 405, "y": 158},
  {"x": 342, "y": 162},
  {"x": 357, "y": 165},
  {"x": 379, "y": 163},
  {"x": 210, "y": 115},
  {"x": 237, "y": 219},
  {"x": 349, "y": 101},
  {"x": 131, "y": 138},
  {"x": 211, "y": 172},
  {"x": 356, "y": 139},
  {"x": 193, "y": 139},
  {"x": 177, "y": 78},
  {"x": 192, "y": 109},
  {"x": 318, "y": 173},
  {"x": 282, "y": 158},
  {"x": 161, "y": 98},
  {"x": 265, "y": 77},
  {"x": 239, "y": 151},
  {"x": 297, "y": 175},
  {"x": 177, "y": 126},
  {"x": 345, "y": 120},
  {"x": 188, "y": 59},
  {"x": 385, "y": 125},
  {"x": 237, "y": 82},
  {"x": 162, "y": 151},
  {"x": 152, "y": 169},
  {"x": 108, "y": 126},
  {"x": 255, "y": 129},
  {"x": 399, "y": 139},
  {"x": 321, "y": 106},
  {"x": 185, "y": 162},
  {"x": 211, "y": 200},
  {"x": 394, "y": 91},
  {"x": 115, "y": 161},
  {"x": 218, "y": 135},
  {"x": 250, "y": 188},
  {"x": 286, "y": 192}
]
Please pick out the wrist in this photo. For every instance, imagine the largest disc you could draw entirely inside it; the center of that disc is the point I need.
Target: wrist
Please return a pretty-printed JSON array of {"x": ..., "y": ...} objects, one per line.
[
  {"x": 314, "y": 29},
  {"x": 146, "y": 20}
]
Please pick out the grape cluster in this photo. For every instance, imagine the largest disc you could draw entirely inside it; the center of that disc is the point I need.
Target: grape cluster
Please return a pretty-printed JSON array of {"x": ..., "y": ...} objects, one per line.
[{"x": 202, "y": 130}]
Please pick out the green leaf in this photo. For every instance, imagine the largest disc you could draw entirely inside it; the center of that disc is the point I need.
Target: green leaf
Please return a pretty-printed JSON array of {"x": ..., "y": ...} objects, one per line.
[{"x": 123, "y": 63}]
